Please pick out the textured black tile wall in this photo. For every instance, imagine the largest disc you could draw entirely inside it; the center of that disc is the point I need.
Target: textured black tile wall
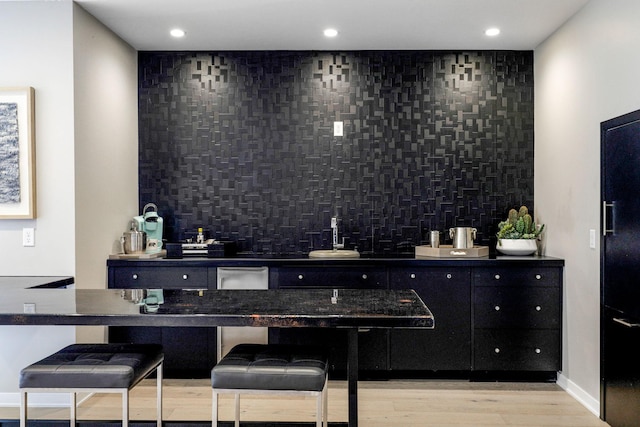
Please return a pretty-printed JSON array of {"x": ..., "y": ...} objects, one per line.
[{"x": 241, "y": 143}]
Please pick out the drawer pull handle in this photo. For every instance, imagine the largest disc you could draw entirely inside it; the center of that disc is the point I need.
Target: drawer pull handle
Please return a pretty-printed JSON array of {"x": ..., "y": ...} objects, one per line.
[
  {"x": 538, "y": 276},
  {"x": 413, "y": 275},
  {"x": 538, "y": 351},
  {"x": 364, "y": 276},
  {"x": 497, "y": 308},
  {"x": 134, "y": 277},
  {"x": 497, "y": 276},
  {"x": 538, "y": 308},
  {"x": 300, "y": 277},
  {"x": 185, "y": 276},
  {"x": 497, "y": 350},
  {"x": 449, "y": 276}
]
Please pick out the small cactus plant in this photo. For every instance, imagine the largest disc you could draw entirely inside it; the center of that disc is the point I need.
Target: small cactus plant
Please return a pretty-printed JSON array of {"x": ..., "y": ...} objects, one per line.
[{"x": 519, "y": 225}]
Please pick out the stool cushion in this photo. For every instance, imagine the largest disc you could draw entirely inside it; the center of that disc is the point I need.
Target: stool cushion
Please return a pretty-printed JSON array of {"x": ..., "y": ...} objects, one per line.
[
  {"x": 93, "y": 366},
  {"x": 271, "y": 367}
]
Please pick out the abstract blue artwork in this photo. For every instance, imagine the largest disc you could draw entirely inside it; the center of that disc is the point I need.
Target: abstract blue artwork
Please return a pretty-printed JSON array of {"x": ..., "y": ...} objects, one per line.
[{"x": 9, "y": 154}]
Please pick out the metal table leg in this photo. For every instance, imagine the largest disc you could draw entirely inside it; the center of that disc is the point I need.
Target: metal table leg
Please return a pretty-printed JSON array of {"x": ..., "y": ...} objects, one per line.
[{"x": 352, "y": 376}]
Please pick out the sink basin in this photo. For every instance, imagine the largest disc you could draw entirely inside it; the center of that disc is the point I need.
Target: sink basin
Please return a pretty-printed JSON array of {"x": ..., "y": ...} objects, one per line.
[{"x": 334, "y": 253}]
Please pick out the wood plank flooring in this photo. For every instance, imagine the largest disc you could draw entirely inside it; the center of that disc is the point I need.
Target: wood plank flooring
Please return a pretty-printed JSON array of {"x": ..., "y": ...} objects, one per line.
[{"x": 406, "y": 403}]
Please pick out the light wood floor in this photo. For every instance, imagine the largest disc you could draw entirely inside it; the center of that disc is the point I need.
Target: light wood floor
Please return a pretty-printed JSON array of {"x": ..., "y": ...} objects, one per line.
[{"x": 409, "y": 403}]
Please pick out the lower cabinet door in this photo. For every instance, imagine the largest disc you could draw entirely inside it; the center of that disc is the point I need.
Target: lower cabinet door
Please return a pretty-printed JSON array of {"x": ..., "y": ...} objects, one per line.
[
  {"x": 517, "y": 350},
  {"x": 372, "y": 346},
  {"x": 447, "y": 347},
  {"x": 188, "y": 352},
  {"x": 620, "y": 370}
]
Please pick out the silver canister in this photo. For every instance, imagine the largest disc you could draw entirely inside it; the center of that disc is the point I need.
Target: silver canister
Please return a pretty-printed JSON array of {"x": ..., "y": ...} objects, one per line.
[
  {"x": 463, "y": 237},
  {"x": 435, "y": 239},
  {"x": 134, "y": 241}
]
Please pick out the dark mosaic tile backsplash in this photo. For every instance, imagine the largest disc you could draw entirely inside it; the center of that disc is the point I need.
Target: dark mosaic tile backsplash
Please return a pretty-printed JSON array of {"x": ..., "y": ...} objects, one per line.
[{"x": 241, "y": 144}]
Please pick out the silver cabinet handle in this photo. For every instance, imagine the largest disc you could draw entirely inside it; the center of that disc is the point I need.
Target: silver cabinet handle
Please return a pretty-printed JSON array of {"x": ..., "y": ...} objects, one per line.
[
  {"x": 300, "y": 276},
  {"x": 538, "y": 308},
  {"x": 497, "y": 308},
  {"x": 134, "y": 277},
  {"x": 497, "y": 276},
  {"x": 538, "y": 351},
  {"x": 538, "y": 277},
  {"x": 449, "y": 276},
  {"x": 413, "y": 275},
  {"x": 626, "y": 323},
  {"x": 497, "y": 350},
  {"x": 185, "y": 276},
  {"x": 364, "y": 277}
]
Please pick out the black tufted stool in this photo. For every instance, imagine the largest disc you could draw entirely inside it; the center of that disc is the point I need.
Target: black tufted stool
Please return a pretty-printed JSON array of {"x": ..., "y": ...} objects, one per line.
[
  {"x": 266, "y": 369},
  {"x": 99, "y": 368}
]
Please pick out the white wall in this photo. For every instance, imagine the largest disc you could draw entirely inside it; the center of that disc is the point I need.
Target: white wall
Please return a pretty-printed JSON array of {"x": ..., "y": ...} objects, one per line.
[
  {"x": 106, "y": 144},
  {"x": 106, "y": 150},
  {"x": 85, "y": 81},
  {"x": 36, "y": 49},
  {"x": 584, "y": 74}
]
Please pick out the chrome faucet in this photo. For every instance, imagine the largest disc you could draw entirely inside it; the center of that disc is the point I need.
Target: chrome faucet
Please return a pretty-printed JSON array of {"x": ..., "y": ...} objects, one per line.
[{"x": 334, "y": 234}]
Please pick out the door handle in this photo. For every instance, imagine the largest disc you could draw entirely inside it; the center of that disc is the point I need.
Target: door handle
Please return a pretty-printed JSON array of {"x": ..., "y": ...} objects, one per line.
[
  {"x": 626, "y": 323},
  {"x": 605, "y": 206}
]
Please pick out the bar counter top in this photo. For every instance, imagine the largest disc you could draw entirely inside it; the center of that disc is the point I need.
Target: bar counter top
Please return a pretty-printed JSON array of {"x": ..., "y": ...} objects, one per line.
[{"x": 65, "y": 305}]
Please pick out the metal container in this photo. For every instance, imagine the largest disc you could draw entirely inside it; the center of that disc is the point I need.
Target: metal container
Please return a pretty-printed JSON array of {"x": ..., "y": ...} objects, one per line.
[
  {"x": 463, "y": 237},
  {"x": 134, "y": 241},
  {"x": 435, "y": 239}
]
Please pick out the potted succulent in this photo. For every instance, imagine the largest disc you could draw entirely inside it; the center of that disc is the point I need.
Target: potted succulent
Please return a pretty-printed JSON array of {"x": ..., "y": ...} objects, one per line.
[{"x": 518, "y": 234}]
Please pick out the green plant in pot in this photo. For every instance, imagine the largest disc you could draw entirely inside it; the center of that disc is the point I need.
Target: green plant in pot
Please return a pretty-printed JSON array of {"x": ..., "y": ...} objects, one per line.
[{"x": 517, "y": 235}]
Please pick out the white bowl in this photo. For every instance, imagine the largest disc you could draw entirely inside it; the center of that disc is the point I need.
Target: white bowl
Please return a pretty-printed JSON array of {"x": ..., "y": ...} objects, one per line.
[{"x": 517, "y": 246}]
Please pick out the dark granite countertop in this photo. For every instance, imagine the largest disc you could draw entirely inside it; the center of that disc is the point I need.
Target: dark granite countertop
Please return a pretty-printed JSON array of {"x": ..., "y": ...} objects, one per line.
[{"x": 274, "y": 308}]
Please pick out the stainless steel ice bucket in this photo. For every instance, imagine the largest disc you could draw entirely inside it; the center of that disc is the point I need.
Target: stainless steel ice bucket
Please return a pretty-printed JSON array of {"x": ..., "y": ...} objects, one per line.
[{"x": 463, "y": 237}]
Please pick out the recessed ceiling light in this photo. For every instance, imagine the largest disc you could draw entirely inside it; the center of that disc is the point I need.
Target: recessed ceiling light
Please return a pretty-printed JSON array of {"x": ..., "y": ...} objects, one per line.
[
  {"x": 330, "y": 32},
  {"x": 492, "y": 32},
  {"x": 177, "y": 32}
]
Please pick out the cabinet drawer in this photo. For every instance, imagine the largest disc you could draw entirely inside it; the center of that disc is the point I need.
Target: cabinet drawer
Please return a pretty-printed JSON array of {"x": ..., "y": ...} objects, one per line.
[
  {"x": 521, "y": 350},
  {"x": 516, "y": 307},
  {"x": 410, "y": 278},
  {"x": 160, "y": 278},
  {"x": 331, "y": 277},
  {"x": 511, "y": 276}
]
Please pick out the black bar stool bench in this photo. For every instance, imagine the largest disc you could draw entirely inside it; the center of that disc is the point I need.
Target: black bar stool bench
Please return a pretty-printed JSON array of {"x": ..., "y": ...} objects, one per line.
[
  {"x": 271, "y": 369},
  {"x": 98, "y": 368}
]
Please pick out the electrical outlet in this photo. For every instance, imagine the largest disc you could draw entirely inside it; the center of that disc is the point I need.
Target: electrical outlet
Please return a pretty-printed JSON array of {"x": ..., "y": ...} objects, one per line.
[
  {"x": 28, "y": 237},
  {"x": 29, "y": 307},
  {"x": 337, "y": 129},
  {"x": 592, "y": 238}
]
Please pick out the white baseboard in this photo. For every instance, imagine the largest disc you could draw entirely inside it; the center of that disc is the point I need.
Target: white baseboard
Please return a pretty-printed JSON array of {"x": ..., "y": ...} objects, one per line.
[
  {"x": 43, "y": 400},
  {"x": 588, "y": 401}
]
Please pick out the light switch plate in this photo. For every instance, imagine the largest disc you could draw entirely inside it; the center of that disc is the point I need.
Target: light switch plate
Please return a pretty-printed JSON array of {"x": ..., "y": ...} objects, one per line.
[
  {"x": 592, "y": 238},
  {"x": 337, "y": 129}
]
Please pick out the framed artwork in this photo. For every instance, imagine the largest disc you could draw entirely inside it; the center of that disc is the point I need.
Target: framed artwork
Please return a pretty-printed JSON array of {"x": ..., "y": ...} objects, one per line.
[{"x": 17, "y": 153}]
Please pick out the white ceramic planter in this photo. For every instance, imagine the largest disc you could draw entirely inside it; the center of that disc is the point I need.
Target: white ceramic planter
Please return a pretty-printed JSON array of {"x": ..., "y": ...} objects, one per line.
[{"x": 517, "y": 246}]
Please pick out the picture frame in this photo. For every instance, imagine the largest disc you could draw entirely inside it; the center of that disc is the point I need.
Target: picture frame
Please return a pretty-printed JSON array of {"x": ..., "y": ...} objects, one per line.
[{"x": 17, "y": 153}]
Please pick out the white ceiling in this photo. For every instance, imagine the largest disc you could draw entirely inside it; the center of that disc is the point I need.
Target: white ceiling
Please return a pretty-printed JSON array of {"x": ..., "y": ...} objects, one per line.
[{"x": 362, "y": 24}]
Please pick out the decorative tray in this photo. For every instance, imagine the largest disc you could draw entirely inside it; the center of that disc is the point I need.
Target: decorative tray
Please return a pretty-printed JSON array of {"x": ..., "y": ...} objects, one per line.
[
  {"x": 448, "y": 251},
  {"x": 160, "y": 254}
]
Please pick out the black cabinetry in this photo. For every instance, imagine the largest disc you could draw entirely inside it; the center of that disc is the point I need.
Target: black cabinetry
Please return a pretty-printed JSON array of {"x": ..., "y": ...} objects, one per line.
[
  {"x": 517, "y": 319},
  {"x": 189, "y": 352},
  {"x": 447, "y": 293},
  {"x": 372, "y": 343},
  {"x": 493, "y": 317}
]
